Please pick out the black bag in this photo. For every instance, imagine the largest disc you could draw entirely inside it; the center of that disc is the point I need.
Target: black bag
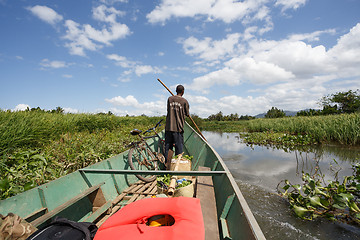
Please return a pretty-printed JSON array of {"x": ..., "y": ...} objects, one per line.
[{"x": 62, "y": 228}]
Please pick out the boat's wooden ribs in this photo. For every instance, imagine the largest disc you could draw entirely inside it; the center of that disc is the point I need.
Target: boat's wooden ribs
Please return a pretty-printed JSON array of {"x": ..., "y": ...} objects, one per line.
[
  {"x": 67, "y": 204},
  {"x": 136, "y": 191}
]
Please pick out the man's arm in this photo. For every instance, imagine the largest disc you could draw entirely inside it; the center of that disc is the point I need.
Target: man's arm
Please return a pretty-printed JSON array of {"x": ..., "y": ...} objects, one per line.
[{"x": 187, "y": 109}]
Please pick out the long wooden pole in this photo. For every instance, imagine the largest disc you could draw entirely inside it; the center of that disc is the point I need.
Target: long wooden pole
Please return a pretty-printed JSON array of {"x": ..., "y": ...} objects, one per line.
[{"x": 189, "y": 114}]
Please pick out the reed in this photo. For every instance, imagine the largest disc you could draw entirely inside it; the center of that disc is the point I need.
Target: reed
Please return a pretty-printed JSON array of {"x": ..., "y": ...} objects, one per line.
[
  {"x": 32, "y": 129},
  {"x": 343, "y": 128}
]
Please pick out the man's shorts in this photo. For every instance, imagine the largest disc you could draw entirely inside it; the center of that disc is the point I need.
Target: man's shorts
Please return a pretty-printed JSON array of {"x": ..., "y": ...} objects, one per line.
[{"x": 172, "y": 138}]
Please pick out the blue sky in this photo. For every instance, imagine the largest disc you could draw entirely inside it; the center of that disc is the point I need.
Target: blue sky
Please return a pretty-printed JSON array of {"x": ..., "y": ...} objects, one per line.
[{"x": 232, "y": 56}]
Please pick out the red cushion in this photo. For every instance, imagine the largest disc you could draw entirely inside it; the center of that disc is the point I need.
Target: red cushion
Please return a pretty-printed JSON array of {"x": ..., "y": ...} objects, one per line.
[{"x": 129, "y": 222}]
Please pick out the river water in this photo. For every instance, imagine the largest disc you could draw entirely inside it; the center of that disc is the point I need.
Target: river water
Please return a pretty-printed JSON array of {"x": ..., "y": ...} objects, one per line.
[{"x": 258, "y": 170}]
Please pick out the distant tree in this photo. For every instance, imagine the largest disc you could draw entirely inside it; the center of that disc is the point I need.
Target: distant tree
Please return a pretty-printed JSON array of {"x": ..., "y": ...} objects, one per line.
[
  {"x": 310, "y": 112},
  {"x": 233, "y": 117},
  {"x": 246, "y": 117},
  {"x": 329, "y": 110},
  {"x": 198, "y": 120},
  {"x": 57, "y": 110},
  {"x": 343, "y": 102},
  {"x": 216, "y": 117},
  {"x": 38, "y": 109},
  {"x": 275, "y": 113}
]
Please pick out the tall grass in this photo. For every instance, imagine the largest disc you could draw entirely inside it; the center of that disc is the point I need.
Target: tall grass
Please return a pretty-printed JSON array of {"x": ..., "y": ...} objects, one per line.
[
  {"x": 37, "y": 147},
  {"x": 35, "y": 128},
  {"x": 343, "y": 128}
]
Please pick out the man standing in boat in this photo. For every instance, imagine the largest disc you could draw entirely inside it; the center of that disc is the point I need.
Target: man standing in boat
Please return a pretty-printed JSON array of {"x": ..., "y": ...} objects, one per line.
[{"x": 177, "y": 110}]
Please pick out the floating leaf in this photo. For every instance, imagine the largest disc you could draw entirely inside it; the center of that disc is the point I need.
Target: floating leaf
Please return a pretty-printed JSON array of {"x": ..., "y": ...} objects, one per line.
[
  {"x": 315, "y": 201},
  {"x": 300, "y": 211},
  {"x": 353, "y": 207},
  {"x": 347, "y": 197},
  {"x": 340, "y": 205},
  {"x": 318, "y": 191}
]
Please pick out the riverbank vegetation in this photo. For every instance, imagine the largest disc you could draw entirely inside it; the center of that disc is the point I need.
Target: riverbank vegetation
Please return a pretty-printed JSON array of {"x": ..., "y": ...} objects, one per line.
[
  {"x": 340, "y": 128},
  {"x": 38, "y": 146},
  {"x": 337, "y": 122}
]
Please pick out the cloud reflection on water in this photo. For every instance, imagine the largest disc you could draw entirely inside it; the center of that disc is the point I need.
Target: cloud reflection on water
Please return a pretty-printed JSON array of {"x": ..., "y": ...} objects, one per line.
[{"x": 265, "y": 166}]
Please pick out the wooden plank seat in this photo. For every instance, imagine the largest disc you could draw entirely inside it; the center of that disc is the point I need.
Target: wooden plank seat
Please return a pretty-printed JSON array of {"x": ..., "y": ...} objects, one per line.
[
  {"x": 67, "y": 204},
  {"x": 205, "y": 192}
]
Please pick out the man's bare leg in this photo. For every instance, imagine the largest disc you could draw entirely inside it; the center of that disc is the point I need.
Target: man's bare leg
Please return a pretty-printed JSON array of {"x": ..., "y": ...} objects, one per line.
[{"x": 169, "y": 157}]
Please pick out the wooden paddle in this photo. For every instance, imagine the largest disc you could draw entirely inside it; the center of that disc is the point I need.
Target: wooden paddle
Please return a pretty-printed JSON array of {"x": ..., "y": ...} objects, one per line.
[{"x": 189, "y": 115}]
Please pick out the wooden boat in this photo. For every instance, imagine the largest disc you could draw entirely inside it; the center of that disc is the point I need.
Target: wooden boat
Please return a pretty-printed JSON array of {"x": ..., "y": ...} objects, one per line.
[{"x": 94, "y": 193}]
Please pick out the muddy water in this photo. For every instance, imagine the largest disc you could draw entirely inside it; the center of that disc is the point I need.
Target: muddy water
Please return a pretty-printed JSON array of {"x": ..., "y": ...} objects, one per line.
[{"x": 258, "y": 170}]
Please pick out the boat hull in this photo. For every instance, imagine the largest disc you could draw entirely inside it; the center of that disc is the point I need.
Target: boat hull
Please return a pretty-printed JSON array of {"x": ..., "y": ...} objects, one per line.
[{"x": 235, "y": 218}]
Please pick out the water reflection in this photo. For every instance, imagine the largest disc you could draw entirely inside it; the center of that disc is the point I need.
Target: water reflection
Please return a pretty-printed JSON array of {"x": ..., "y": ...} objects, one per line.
[{"x": 259, "y": 169}]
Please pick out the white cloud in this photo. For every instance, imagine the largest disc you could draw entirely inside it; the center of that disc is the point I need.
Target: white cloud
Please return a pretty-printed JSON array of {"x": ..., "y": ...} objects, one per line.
[
  {"x": 145, "y": 69},
  {"x": 107, "y": 14},
  {"x": 312, "y": 37},
  {"x": 274, "y": 61},
  {"x": 290, "y": 4},
  {"x": 346, "y": 53},
  {"x": 296, "y": 74},
  {"x": 46, "y": 14},
  {"x": 121, "y": 61},
  {"x": 70, "y": 110},
  {"x": 224, "y": 10},
  {"x": 85, "y": 37},
  {"x": 67, "y": 76},
  {"x": 111, "y": 2},
  {"x": 208, "y": 49},
  {"x": 21, "y": 107},
  {"x": 46, "y": 63},
  {"x": 124, "y": 79},
  {"x": 204, "y": 107},
  {"x": 129, "y": 100},
  {"x": 224, "y": 76},
  {"x": 258, "y": 72},
  {"x": 130, "y": 105},
  {"x": 134, "y": 66},
  {"x": 78, "y": 40},
  {"x": 240, "y": 70}
]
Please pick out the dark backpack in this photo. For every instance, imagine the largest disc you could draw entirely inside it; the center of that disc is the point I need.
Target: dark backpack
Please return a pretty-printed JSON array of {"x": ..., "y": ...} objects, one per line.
[{"x": 62, "y": 228}]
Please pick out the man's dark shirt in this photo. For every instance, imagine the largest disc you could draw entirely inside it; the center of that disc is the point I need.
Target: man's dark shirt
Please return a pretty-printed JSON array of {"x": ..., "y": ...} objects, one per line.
[{"x": 177, "y": 109}]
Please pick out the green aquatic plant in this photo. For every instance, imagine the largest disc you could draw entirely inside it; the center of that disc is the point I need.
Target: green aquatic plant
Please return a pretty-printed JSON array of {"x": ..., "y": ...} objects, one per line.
[
  {"x": 277, "y": 138},
  {"x": 338, "y": 201}
]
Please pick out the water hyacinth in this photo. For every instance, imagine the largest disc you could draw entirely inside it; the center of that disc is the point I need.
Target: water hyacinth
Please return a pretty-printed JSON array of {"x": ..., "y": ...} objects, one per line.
[{"x": 335, "y": 201}]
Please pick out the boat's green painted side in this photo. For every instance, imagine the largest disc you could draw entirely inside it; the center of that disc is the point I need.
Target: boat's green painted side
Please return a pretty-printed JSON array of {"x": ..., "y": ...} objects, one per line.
[{"x": 237, "y": 219}]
